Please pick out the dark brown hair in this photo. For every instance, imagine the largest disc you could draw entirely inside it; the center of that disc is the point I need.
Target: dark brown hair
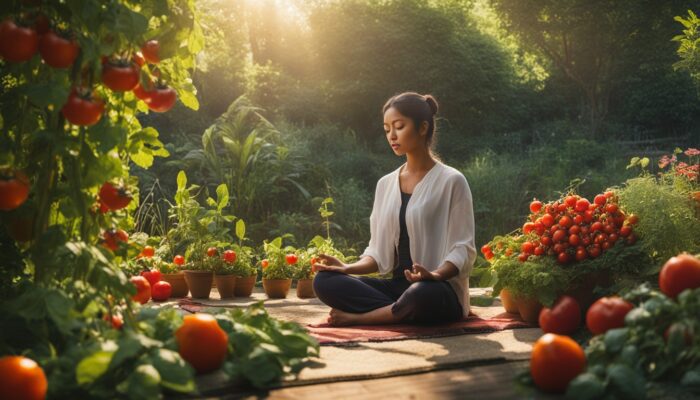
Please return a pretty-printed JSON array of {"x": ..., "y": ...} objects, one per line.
[{"x": 419, "y": 108}]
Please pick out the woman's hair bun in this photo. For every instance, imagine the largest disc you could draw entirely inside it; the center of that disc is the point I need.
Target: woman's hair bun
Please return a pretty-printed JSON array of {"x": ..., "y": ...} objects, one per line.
[{"x": 432, "y": 103}]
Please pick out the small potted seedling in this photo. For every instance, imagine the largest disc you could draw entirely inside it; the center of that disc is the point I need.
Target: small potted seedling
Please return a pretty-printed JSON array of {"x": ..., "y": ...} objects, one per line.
[
  {"x": 224, "y": 274},
  {"x": 199, "y": 271},
  {"x": 276, "y": 270}
]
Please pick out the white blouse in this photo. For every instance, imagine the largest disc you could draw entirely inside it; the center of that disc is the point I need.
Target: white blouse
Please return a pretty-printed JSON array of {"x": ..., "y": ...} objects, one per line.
[{"x": 440, "y": 223}]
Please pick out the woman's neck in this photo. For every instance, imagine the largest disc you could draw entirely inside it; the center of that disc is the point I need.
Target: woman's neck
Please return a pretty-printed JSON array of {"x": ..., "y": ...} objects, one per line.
[{"x": 419, "y": 162}]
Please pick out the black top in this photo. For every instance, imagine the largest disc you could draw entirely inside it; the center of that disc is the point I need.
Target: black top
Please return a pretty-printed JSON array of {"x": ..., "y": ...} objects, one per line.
[{"x": 404, "y": 250}]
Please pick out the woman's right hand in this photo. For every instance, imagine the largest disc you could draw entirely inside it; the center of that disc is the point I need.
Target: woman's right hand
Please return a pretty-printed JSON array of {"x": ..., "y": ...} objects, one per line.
[{"x": 328, "y": 263}]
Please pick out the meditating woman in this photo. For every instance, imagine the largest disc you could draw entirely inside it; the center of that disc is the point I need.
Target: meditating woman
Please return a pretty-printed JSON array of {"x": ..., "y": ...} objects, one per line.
[{"x": 422, "y": 232}]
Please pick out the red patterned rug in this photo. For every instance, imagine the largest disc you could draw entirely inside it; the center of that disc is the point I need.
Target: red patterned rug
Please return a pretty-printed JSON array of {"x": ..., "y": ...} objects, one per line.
[{"x": 329, "y": 335}]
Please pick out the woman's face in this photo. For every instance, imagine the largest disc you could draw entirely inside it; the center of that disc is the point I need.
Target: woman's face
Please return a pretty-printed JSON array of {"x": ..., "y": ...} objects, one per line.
[{"x": 401, "y": 132}]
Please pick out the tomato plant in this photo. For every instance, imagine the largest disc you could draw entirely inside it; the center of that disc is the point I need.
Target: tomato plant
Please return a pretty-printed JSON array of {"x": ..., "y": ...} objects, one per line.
[{"x": 230, "y": 256}]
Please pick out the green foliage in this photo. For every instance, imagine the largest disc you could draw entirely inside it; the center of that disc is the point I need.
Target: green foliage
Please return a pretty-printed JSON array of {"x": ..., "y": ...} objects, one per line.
[
  {"x": 689, "y": 46},
  {"x": 668, "y": 220}
]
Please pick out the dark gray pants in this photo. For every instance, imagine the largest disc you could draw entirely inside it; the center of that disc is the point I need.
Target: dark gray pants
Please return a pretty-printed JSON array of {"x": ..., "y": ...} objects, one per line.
[{"x": 423, "y": 302}]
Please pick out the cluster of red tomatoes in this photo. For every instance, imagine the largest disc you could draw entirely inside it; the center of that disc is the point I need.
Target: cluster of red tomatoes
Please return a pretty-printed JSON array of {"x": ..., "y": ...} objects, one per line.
[
  {"x": 557, "y": 359},
  {"x": 229, "y": 255},
  {"x": 119, "y": 73},
  {"x": 573, "y": 228},
  {"x": 290, "y": 258}
]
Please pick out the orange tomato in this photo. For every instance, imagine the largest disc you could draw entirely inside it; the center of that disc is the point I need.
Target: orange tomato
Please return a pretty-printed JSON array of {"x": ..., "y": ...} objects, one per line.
[
  {"x": 21, "y": 378},
  {"x": 555, "y": 361},
  {"x": 201, "y": 342}
]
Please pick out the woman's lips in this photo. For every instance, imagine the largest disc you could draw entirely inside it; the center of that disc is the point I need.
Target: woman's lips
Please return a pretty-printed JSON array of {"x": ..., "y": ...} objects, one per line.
[{"x": 394, "y": 145}]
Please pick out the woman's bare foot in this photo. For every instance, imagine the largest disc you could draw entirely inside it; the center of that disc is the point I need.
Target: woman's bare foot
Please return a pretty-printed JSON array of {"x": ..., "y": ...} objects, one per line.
[{"x": 342, "y": 318}]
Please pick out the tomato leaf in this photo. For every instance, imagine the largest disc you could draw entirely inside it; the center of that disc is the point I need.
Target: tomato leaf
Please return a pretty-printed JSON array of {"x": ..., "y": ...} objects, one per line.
[
  {"x": 93, "y": 366},
  {"x": 586, "y": 386}
]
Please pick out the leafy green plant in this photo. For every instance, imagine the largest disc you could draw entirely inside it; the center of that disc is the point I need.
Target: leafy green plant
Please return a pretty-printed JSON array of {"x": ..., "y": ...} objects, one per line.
[
  {"x": 664, "y": 203},
  {"x": 275, "y": 258}
]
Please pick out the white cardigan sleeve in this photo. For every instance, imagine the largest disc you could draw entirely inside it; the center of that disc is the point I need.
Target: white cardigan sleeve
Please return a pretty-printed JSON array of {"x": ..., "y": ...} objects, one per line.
[
  {"x": 460, "y": 227},
  {"x": 373, "y": 249}
]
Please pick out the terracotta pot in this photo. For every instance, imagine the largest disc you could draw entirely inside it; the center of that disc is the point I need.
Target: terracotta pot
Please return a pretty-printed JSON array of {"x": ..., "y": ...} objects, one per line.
[
  {"x": 529, "y": 309},
  {"x": 305, "y": 288},
  {"x": 226, "y": 284},
  {"x": 244, "y": 285},
  {"x": 178, "y": 284},
  {"x": 508, "y": 301},
  {"x": 276, "y": 288},
  {"x": 199, "y": 283}
]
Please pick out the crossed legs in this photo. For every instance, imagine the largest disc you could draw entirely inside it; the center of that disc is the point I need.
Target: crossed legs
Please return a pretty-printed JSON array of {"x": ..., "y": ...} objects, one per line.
[{"x": 366, "y": 301}]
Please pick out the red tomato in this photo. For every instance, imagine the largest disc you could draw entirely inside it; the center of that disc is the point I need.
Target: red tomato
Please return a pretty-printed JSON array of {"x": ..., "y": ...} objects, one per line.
[
  {"x": 681, "y": 329},
  {"x": 265, "y": 263},
  {"x": 17, "y": 44},
  {"x": 559, "y": 235},
  {"x": 625, "y": 231},
  {"x": 56, "y": 51},
  {"x": 588, "y": 216},
  {"x": 179, "y": 260},
  {"x": 547, "y": 220},
  {"x": 114, "y": 197},
  {"x": 679, "y": 273},
  {"x": 291, "y": 258},
  {"x": 14, "y": 189},
  {"x": 150, "y": 51},
  {"x": 539, "y": 250},
  {"x": 535, "y": 206},
  {"x": 600, "y": 199},
  {"x": 83, "y": 110},
  {"x": 570, "y": 201},
  {"x": 148, "y": 251},
  {"x": 607, "y": 313},
  {"x": 546, "y": 241},
  {"x": 578, "y": 220},
  {"x": 143, "y": 289},
  {"x": 42, "y": 25},
  {"x": 116, "y": 320},
  {"x": 485, "y": 249},
  {"x": 211, "y": 252},
  {"x": 565, "y": 221},
  {"x": 153, "y": 276},
  {"x": 597, "y": 226},
  {"x": 563, "y": 258},
  {"x": 230, "y": 256},
  {"x": 581, "y": 254},
  {"x": 563, "y": 318},
  {"x": 120, "y": 76},
  {"x": 112, "y": 238},
  {"x": 528, "y": 227},
  {"x": 594, "y": 251},
  {"x": 556, "y": 360},
  {"x": 142, "y": 93},
  {"x": 527, "y": 247},
  {"x": 609, "y": 194},
  {"x": 574, "y": 240},
  {"x": 632, "y": 219},
  {"x": 582, "y": 205},
  {"x": 21, "y": 378},
  {"x": 162, "y": 99},
  {"x": 611, "y": 208},
  {"x": 161, "y": 291}
]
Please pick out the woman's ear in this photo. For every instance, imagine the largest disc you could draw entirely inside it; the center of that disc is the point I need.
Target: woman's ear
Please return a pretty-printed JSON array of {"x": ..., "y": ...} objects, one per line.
[{"x": 423, "y": 128}]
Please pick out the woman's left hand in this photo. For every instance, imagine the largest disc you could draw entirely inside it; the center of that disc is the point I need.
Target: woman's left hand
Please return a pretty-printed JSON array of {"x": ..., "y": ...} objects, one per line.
[{"x": 420, "y": 273}]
